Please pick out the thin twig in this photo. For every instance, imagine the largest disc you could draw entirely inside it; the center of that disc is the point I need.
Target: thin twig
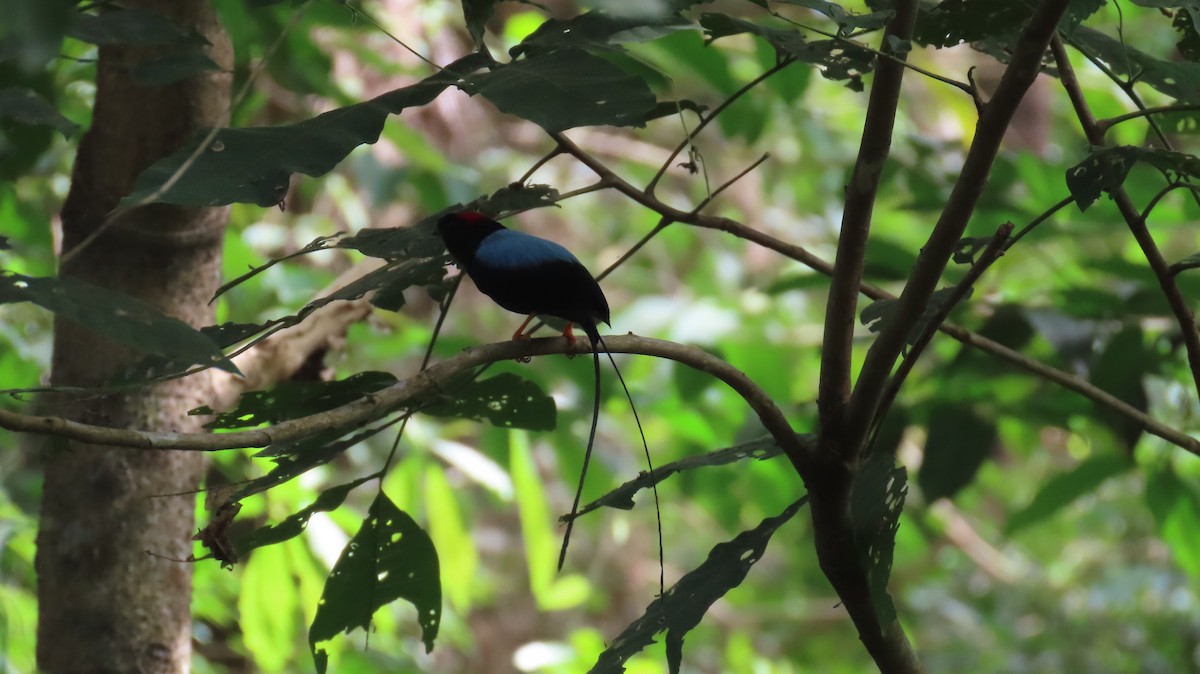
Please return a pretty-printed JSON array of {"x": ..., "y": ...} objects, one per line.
[{"x": 1106, "y": 124}]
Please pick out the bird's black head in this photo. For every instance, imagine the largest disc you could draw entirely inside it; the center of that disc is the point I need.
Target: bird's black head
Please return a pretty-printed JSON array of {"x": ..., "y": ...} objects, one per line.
[{"x": 464, "y": 231}]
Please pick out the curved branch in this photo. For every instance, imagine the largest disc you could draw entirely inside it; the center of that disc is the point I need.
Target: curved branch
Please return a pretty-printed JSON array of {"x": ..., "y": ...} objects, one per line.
[{"x": 406, "y": 392}]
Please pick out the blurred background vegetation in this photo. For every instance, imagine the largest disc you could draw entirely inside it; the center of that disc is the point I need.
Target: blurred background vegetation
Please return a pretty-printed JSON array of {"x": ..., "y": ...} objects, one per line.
[{"x": 1074, "y": 547}]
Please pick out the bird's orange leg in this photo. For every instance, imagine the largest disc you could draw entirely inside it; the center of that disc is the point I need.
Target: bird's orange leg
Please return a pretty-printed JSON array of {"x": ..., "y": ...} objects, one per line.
[
  {"x": 570, "y": 335},
  {"x": 520, "y": 333}
]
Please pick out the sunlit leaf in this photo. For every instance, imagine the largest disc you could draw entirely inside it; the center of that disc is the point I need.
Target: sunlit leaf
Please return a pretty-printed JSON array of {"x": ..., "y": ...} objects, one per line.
[
  {"x": 686, "y": 602},
  {"x": 598, "y": 29},
  {"x": 116, "y": 316},
  {"x": 391, "y": 557}
]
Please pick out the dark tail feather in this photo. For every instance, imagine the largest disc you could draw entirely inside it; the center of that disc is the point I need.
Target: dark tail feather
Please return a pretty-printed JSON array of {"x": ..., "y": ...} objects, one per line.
[
  {"x": 594, "y": 336},
  {"x": 649, "y": 465}
]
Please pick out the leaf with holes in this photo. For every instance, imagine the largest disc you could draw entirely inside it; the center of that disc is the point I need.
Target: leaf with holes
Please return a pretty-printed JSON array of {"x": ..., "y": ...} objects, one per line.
[
  {"x": 295, "y": 399},
  {"x": 598, "y": 30},
  {"x": 506, "y": 400},
  {"x": 391, "y": 557},
  {"x": 1105, "y": 170},
  {"x": 876, "y": 501},
  {"x": 995, "y": 22},
  {"x": 1177, "y": 79},
  {"x": 563, "y": 89},
  {"x": 686, "y": 602},
  {"x": 293, "y": 525},
  {"x": 116, "y": 316}
]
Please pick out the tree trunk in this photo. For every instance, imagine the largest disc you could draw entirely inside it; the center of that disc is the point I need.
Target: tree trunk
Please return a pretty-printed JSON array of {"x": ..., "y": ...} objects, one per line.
[{"x": 105, "y": 605}]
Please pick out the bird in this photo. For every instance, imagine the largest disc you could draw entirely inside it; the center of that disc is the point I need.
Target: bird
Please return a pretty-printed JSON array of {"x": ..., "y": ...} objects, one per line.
[
  {"x": 525, "y": 274},
  {"x": 533, "y": 276}
]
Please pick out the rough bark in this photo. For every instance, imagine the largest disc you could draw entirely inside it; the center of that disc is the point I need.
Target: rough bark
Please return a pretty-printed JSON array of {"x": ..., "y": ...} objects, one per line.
[{"x": 105, "y": 605}]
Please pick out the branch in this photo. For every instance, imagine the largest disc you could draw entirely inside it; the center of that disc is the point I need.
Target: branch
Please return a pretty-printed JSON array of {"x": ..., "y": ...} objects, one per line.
[
  {"x": 421, "y": 386},
  {"x": 841, "y": 308},
  {"x": 1135, "y": 221},
  {"x": 1105, "y": 124},
  {"x": 935, "y": 254},
  {"x": 1068, "y": 381}
]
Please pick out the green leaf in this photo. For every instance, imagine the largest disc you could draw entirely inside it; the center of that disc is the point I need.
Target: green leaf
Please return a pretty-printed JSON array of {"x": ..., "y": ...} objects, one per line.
[
  {"x": 26, "y": 106},
  {"x": 131, "y": 26},
  {"x": 960, "y": 440},
  {"x": 876, "y": 501},
  {"x": 1177, "y": 79},
  {"x": 1176, "y": 509},
  {"x": 295, "y": 458},
  {"x": 506, "y": 400},
  {"x": 293, "y": 525},
  {"x": 391, "y": 557},
  {"x": 563, "y": 89},
  {"x": 1190, "y": 262},
  {"x": 255, "y": 164},
  {"x": 1064, "y": 489},
  {"x": 598, "y": 30},
  {"x": 116, "y": 316},
  {"x": 952, "y": 22},
  {"x": 295, "y": 399},
  {"x": 1121, "y": 370},
  {"x": 686, "y": 602}
]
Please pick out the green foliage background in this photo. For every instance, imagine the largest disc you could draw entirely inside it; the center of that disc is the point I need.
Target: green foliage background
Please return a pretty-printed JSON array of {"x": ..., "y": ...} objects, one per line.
[{"x": 1062, "y": 541}]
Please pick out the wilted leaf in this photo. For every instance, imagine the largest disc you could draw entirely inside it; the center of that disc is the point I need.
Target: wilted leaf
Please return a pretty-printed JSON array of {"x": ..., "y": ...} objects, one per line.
[
  {"x": 116, "y": 316},
  {"x": 686, "y": 602},
  {"x": 391, "y": 557}
]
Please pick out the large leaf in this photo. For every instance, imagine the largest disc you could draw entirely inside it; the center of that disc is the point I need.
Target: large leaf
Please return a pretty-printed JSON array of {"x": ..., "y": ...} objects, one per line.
[
  {"x": 876, "y": 501},
  {"x": 295, "y": 399},
  {"x": 837, "y": 60},
  {"x": 391, "y": 557},
  {"x": 598, "y": 30},
  {"x": 1104, "y": 170},
  {"x": 1176, "y": 509},
  {"x": 684, "y": 605},
  {"x": 1178, "y": 79},
  {"x": 254, "y": 165},
  {"x": 132, "y": 26},
  {"x": 1121, "y": 369},
  {"x": 960, "y": 440},
  {"x": 952, "y": 22},
  {"x": 564, "y": 88},
  {"x": 1064, "y": 489},
  {"x": 118, "y": 317},
  {"x": 506, "y": 400}
]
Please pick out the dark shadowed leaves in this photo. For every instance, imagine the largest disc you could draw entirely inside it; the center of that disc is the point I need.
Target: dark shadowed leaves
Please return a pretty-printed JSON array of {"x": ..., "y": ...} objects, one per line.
[
  {"x": 293, "y": 525},
  {"x": 876, "y": 315},
  {"x": 997, "y": 22},
  {"x": 960, "y": 439},
  {"x": 837, "y": 60},
  {"x": 295, "y": 399},
  {"x": 131, "y": 26},
  {"x": 391, "y": 557},
  {"x": 1064, "y": 489},
  {"x": 300, "y": 456},
  {"x": 1176, "y": 509},
  {"x": 1178, "y": 79},
  {"x": 476, "y": 14},
  {"x": 598, "y": 30},
  {"x": 172, "y": 68},
  {"x": 847, "y": 22},
  {"x": 118, "y": 317},
  {"x": 1121, "y": 370},
  {"x": 876, "y": 501},
  {"x": 506, "y": 400},
  {"x": 26, "y": 106},
  {"x": 1105, "y": 169},
  {"x": 563, "y": 89},
  {"x": 255, "y": 164},
  {"x": 685, "y": 604}
]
